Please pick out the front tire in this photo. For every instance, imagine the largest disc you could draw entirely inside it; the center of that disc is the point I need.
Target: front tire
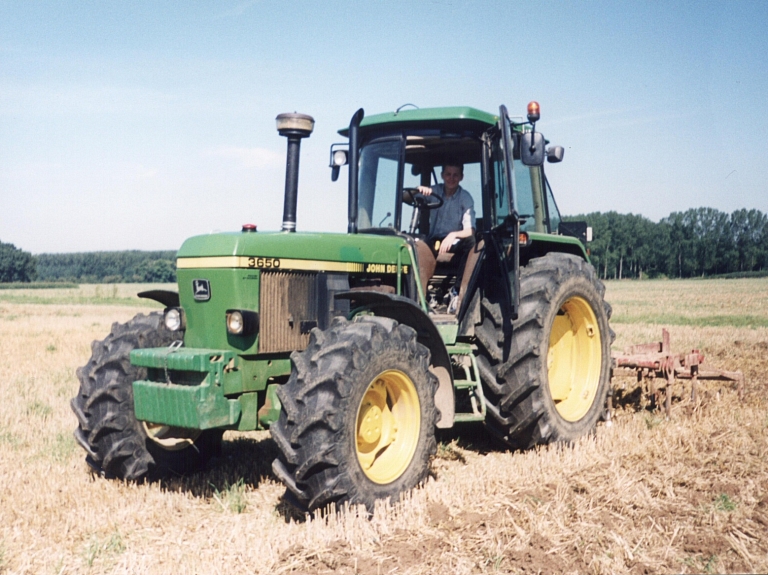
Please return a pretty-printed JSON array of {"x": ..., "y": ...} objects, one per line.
[
  {"x": 547, "y": 380},
  {"x": 117, "y": 444},
  {"x": 358, "y": 416}
]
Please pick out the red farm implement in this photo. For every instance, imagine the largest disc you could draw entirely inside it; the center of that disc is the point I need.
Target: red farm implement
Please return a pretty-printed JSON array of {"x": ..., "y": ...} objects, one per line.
[{"x": 655, "y": 361}]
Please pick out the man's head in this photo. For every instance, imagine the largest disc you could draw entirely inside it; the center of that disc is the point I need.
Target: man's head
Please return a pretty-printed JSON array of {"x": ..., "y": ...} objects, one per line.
[{"x": 452, "y": 174}]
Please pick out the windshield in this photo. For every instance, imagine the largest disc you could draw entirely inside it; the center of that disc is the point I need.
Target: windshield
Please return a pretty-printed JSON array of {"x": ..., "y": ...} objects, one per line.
[
  {"x": 410, "y": 161},
  {"x": 379, "y": 164}
]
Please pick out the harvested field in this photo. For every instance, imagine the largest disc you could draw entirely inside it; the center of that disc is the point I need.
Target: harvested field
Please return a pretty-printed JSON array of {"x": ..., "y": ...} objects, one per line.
[{"x": 645, "y": 495}]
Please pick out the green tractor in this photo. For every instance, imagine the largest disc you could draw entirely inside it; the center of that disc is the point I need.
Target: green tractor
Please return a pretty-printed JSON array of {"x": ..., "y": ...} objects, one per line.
[{"x": 333, "y": 341}]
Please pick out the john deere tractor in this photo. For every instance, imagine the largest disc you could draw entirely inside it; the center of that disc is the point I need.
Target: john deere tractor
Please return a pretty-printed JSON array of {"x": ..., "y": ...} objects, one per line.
[{"x": 329, "y": 340}]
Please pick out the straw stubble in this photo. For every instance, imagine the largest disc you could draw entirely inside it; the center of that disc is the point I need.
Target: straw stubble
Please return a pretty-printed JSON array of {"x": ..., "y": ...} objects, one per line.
[{"x": 645, "y": 494}]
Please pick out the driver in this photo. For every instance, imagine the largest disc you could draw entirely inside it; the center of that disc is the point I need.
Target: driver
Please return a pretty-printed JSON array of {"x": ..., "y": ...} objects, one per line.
[
  {"x": 455, "y": 219},
  {"x": 452, "y": 225}
]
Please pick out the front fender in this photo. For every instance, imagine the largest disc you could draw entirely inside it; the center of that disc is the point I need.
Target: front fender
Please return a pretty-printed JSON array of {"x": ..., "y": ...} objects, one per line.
[{"x": 407, "y": 312}]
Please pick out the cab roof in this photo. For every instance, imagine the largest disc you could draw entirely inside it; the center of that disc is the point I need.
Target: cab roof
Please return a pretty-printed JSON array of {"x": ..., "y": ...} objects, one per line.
[{"x": 451, "y": 118}]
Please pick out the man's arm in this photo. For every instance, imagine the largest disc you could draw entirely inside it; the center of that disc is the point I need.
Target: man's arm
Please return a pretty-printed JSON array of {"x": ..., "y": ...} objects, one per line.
[{"x": 452, "y": 237}]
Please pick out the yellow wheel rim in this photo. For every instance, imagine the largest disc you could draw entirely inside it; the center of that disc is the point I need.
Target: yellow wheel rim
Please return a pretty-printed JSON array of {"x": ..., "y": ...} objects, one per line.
[
  {"x": 171, "y": 438},
  {"x": 574, "y": 359},
  {"x": 387, "y": 426}
]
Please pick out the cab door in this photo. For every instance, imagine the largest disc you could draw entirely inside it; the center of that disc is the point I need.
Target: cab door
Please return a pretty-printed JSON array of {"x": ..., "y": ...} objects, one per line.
[{"x": 503, "y": 237}]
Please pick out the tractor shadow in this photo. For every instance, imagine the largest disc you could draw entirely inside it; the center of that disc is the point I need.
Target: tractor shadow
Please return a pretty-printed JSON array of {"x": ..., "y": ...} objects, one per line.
[
  {"x": 244, "y": 465},
  {"x": 245, "y": 461},
  {"x": 454, "y": 445},
  {"x": 471, "y": 437}
]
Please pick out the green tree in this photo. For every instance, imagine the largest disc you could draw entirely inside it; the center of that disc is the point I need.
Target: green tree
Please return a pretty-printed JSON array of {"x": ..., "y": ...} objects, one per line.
[
  {"x": 748, "y": 229},
  {"x": 122, "y": 266},
  {"x": 699, "y": 241},
  {"x": 155, "y": 271},
  {"x": 16, "y": 265}
]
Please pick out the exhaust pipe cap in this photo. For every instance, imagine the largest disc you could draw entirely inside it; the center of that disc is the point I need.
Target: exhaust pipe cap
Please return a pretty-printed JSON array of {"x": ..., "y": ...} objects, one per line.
[{"x": 295, "y": 124}]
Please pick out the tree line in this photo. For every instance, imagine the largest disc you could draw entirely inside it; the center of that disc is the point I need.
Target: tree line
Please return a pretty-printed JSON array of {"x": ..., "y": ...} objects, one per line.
[
  {"x": 697, "y": 242},
  {"x": 131, "y": 266},
  {"x": 16, "y": 265}
]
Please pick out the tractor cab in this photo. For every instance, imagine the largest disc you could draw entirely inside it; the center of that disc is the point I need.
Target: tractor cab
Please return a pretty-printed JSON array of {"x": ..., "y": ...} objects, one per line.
[{"x": 396, "y": 153}]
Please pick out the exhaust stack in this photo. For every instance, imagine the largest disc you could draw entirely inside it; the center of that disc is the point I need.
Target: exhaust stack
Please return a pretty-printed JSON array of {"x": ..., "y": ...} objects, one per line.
[{"x": 293, "y": 126}]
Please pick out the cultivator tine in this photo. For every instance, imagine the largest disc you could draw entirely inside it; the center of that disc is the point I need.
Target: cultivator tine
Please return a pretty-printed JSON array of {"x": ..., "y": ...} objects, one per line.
[{"x": 656, "y": 360}]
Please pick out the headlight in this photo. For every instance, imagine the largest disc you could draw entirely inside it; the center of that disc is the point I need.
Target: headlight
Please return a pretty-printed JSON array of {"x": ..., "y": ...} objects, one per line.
[
  {"x": 339, "y": 158},
  {"x": 174, "y": 318},
  {"x": 242, "y": 322},
  {"x": 235, "y": 323}
]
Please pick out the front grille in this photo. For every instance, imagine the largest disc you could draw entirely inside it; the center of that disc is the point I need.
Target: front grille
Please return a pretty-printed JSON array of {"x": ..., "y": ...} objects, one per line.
[{"x": 288, "y": 310}]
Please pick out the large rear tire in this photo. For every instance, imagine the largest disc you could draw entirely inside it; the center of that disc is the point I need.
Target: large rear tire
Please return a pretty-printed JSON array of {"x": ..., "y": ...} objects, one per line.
[
  {"x": 548, "y": 378},
  {"x": 358, "y": 415},
  {"x": 116, "y": 443}
]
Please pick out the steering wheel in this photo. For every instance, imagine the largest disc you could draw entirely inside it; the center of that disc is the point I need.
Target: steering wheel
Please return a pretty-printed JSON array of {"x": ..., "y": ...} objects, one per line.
[{"x": 413, "y": 197}]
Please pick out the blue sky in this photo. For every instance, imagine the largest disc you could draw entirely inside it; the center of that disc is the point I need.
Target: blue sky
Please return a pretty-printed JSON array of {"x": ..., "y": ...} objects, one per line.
[{"x": 133, "y": 125}]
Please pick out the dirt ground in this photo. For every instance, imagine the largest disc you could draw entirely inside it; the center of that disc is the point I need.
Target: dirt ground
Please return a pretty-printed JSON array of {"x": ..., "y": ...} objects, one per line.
[{"x": 645, "y": 494}]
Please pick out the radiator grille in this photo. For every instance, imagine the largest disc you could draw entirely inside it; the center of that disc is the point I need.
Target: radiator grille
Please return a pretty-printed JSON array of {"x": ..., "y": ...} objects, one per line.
[{"x": 288, "y": 306}]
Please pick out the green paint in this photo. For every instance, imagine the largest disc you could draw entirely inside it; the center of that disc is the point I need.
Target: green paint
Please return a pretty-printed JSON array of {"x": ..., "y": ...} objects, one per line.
[
  {"x": 299, "y": 245},
  {"x": 206, "y": 320},
  {"x": 204, "y": 401},
  {"x": 255, "y": 374},
  {"x": 461, "y": 349},
  {"x": 450, "y": 115},
  {"x": 183, "y": 359},
  {"x": 546, "y": 243},
  {"x": 270, "y": 411},
  {"x": 195, "y": 407},
  {"x": 448, "y": 331},
  {"x": 249, "y": 406}
]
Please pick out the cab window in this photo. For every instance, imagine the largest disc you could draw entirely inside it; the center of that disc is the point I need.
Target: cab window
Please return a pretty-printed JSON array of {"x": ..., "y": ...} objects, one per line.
[
  {"x": 379, "y": 172},
  {"x": 552, "y": 212},
  {"x": 529, "y": 200},
  {"x": 501, "y": 195}
]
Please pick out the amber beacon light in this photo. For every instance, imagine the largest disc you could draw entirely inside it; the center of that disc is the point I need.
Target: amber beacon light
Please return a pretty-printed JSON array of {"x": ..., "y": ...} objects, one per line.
[{"x": 534, "y": 113}]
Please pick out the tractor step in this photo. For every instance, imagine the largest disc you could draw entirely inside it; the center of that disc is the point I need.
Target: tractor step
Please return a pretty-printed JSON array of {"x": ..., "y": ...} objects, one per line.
[{"x": 466, "y": 377}]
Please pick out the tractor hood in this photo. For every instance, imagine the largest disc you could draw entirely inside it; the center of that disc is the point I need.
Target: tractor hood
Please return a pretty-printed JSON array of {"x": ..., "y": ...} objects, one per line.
[
  {"x": 284, "y": 280},
  {"x": 297, "y": 249}
]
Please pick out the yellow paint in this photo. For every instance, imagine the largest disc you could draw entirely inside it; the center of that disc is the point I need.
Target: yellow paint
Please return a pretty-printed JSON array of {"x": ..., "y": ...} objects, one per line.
[
  {"x": 388, "y": 425},
  {"x": 574, "y": 359},
  {"x": 267, "y": 263}
]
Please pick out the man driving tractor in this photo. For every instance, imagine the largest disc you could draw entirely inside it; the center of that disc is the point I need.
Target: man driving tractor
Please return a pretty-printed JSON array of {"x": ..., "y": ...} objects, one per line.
[{"x": 451, "y": 227}]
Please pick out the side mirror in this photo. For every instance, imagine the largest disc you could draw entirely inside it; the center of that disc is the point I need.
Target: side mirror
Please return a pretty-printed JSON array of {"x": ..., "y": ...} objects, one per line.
[
  {"x": 555, "y": 154},
  {"x": 578, "y": 230},
  {"x": 532, "y": 149}
]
